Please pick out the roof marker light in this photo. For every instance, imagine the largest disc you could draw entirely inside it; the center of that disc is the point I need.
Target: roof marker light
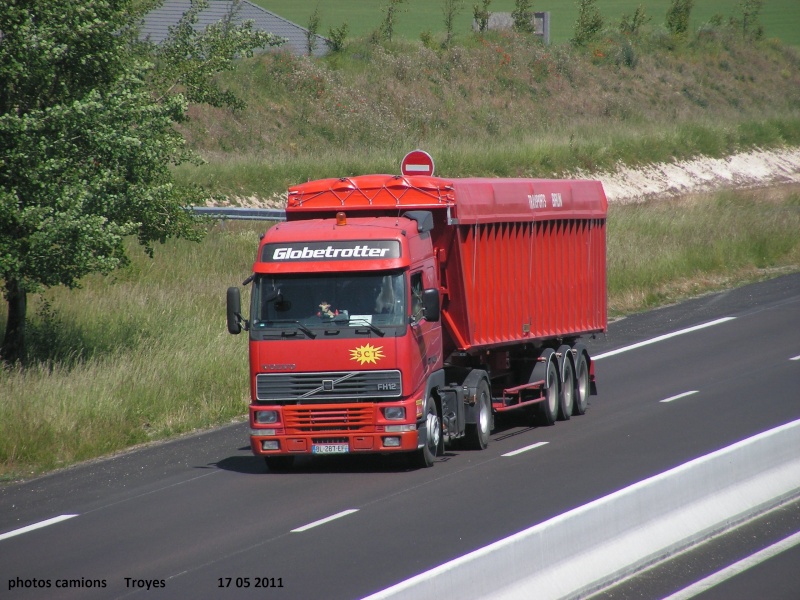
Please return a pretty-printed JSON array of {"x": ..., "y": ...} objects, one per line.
[{"x": 341, "y": 218}]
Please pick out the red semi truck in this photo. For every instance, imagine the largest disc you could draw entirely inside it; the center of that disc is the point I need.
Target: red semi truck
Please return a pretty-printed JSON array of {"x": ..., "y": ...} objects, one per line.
[{"x": 402, "y": 313}]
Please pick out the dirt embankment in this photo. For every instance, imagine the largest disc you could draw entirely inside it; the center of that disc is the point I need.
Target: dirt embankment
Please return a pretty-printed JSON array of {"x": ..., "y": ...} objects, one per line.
[{"x": 757, "y": 168}]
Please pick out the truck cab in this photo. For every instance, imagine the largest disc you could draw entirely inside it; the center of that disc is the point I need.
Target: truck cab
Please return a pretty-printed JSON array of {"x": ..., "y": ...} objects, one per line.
[{"x": 344, "y": 335}]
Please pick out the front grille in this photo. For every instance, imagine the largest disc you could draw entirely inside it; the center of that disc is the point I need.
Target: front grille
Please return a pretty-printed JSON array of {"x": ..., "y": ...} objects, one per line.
[
  {"x": 319, "y": 419},
  {"x": 328, "y": 385}
]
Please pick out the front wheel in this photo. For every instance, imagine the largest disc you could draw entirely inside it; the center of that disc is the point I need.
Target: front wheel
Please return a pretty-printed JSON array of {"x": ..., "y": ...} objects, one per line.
[
  {"x": 478, "y": 434},
  {"x": 425, "y": 456}
]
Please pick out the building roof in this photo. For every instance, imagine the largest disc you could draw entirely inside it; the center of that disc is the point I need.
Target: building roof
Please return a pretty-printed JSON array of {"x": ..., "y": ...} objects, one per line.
[{"x": 156, "y": 23}]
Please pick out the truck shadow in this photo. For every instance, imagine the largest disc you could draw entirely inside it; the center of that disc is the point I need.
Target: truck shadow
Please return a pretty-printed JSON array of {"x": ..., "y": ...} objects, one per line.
[
  {"x": 505, "y": 428},
  {"x": 354, "y": 463}
]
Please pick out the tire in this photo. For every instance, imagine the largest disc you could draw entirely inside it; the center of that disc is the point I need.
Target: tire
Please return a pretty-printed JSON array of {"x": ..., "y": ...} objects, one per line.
[
  {"x": 548, "y": 408},
  {"x": 582, "y": 385},
  {"x": 566, "y": 396},
  {"x": 279, "y": 464},
  {"x": 425, "y": 456},
  {"x": 477, "y": 437}
]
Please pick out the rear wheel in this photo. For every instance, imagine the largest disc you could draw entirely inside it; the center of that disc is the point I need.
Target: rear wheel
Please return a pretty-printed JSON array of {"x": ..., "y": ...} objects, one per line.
[
  {"x": 566, "y": 397},
  {"x": 548, "y": 408},
  {"x": 582, "y": 385},
  {"x": 425, "y": 456},
  {"x": 279, "y": 464},
  {"x": 478, "y": 434}
]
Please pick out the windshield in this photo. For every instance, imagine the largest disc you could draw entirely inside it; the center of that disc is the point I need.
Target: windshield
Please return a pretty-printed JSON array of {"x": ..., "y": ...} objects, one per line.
[{"x": 318, "y": 300}]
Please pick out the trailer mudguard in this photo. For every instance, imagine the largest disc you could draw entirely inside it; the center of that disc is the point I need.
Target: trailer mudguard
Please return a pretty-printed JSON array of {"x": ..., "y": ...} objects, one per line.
[{"x": 471, "y": 411}]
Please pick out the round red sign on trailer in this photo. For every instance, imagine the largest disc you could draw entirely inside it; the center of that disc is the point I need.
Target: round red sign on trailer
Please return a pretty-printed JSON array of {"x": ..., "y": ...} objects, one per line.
[{"x": 417, "y": 162}]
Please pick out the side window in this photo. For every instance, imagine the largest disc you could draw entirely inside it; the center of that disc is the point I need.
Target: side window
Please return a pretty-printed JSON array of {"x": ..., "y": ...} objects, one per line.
[{"x": 416, "y": 296}]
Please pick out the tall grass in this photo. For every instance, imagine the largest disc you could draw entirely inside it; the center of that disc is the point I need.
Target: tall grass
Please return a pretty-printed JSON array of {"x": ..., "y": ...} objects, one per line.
[
  {"x": 662, "y": 251},
  {"x": 145, "y": 354},
  {"x": 138, "y": 356},
  {"x": 498, "y": 105}
]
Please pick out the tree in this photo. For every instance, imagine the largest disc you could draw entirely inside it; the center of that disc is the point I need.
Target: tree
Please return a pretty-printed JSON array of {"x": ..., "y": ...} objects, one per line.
[
  {"x": 87, "y": 138},
  {"x": 391, "y": 9},
  {"x": 311, "y": 31},
  {"x": 481, "y": 15},
  {"x": 523, "y": 16},
  {"x": 678, "y": 17},
  {"x": 747, "y": 20},
  {"x": 631, "y": 25},
  {"x": 450, "y": 10},
  {"x": 589, "y": 23}
]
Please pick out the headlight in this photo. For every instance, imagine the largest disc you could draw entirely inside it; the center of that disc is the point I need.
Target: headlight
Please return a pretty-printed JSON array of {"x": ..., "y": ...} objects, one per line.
[
  {"x": 263, "y": 417},
  {"x": 394, "y": 413}
]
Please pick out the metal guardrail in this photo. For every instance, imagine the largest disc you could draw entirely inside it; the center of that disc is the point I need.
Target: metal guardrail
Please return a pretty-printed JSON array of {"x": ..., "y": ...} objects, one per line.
[{"x": 241, "y": 214}]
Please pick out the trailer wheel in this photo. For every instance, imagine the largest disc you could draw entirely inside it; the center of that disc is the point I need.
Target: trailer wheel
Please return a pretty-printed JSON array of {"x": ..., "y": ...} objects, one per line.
[
  {"x": 425, "y": 456},
  {"x": 548, "y": 408},
  {"x": 582, "y": 385},
  {"x": 478, "y": 434},
  {"x": 566, "y": 397},
  {"x": 279, "y": 464}
]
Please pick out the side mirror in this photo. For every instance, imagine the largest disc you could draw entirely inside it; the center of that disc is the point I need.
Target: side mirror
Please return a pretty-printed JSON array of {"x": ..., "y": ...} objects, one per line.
[
  {"x": 430, "y": 304},
  {"x": 234, "y": 310}
]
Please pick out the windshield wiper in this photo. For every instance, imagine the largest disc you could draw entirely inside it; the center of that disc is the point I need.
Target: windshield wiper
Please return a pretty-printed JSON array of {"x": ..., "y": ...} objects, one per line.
[
  {"x": 374, "y": 328},
  {"x": 300, "y": 326}
]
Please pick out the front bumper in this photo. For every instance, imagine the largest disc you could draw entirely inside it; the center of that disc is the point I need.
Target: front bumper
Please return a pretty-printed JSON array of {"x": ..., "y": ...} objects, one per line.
[{"x": 333, "y": 443}]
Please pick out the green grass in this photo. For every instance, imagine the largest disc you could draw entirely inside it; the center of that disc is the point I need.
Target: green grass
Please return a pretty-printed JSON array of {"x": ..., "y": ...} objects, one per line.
[
  {"x": 144, "y": 354},
  {"x": 780, "y": 18}
]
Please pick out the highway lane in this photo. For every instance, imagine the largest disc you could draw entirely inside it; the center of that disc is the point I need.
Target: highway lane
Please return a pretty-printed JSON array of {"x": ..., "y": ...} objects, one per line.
[{"x": 192, "y": 513}]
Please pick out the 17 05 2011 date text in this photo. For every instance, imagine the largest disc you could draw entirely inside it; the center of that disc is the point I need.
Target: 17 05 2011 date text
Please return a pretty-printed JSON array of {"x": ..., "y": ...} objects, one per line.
[{"x": 248, "y": 582}]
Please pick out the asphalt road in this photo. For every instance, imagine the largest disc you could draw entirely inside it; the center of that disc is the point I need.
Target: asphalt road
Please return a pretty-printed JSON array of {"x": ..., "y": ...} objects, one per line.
[{"x": 200, "y": 517}]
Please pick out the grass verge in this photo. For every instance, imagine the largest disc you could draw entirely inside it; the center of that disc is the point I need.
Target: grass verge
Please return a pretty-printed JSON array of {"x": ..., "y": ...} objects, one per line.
[{"x": 144, "y": 355}]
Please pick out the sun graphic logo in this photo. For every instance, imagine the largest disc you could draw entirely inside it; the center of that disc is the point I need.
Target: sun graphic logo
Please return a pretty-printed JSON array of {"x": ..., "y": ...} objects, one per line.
[{"x": 367, "y": 354}]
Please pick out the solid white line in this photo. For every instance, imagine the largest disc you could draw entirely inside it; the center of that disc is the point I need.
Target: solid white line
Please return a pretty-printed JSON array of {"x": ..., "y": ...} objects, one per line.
[
  {"x": 795, "y": 358},
  {"x": 739, "y": 567},
  {"x": 344, "y": 513},
  {"x": 38, "y": 525},
  {"x": 679, "y": 396},
  {"x": 525, "y": 449},
  {"x": 661, "y": 338}
]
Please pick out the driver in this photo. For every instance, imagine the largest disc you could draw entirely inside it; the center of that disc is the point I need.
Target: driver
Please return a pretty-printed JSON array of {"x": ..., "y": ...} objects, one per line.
[{"x": 326, "y": 311}]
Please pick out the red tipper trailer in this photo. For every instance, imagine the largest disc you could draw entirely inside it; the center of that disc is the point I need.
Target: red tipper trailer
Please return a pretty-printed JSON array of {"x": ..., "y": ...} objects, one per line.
[{"x": 401, "y": 313}]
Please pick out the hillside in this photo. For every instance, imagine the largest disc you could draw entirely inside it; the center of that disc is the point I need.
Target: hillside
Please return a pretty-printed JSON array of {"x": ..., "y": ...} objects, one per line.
[{"x": 500, "y": 104}]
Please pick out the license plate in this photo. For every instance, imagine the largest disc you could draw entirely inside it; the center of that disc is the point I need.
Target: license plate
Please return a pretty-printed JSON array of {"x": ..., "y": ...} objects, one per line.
[{"x": 330, "y": 448}]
